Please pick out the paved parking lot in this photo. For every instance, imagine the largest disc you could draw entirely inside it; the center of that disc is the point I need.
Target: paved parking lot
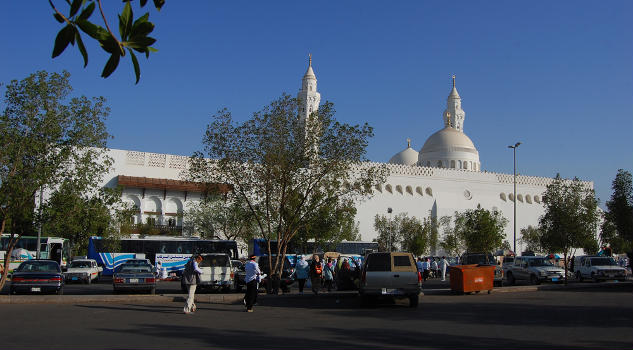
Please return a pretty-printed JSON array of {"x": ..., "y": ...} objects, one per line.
[{"x": 558, "y": 319}]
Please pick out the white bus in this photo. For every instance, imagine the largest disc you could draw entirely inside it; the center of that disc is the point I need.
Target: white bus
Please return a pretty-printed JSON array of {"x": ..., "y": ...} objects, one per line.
[{"x": 53, "y": 248}]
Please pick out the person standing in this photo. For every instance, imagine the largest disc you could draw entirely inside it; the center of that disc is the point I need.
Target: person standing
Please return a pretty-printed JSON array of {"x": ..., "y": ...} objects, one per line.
[
  {"x": 328, "y": 274},
  {"x": 420, "y": 265},
  {"x": 443, "y": 267},
  {"x": 253, "y": 274},
  {"x": 426, "y": 269},
  {"x": 302, "y": 271},
  {"x": 434, "y": 267},
  {"x": 191, "y": 278},
  {"x": 316, "y": 274}
]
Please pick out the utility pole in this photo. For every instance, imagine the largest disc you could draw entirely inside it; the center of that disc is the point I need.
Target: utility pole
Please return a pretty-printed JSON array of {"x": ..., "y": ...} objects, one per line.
[{"x": 514, "y": 199}]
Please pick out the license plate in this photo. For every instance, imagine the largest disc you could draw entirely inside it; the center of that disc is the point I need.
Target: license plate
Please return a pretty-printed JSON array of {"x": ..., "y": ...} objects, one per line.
[
  {"x": 388, "y": 291},
  {"x": 133, "y": 280},
  {"x": 36, "y": 289},
  {"x": 555, "y": 279},
  {"x": 75, "y": 278}
]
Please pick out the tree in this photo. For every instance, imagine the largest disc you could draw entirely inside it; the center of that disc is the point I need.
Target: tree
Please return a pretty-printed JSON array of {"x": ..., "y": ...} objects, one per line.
[
  {"x": 452, "y": 243},
  {"x": 133, "y": 32},
  {"x": 77, "y": 214},
  {"x": 46, "y": 137},
  {"x": 617, "y": 228},
  {"x": 531, "y": 239},
  {"x": 480, "y": 229},
  {"x": 332, "y": 224},
  {"x": 405, "y": 233},
  {"x": 225, "y": 217},
  {"x": 286, "y": 168},
  {"x": 571, "y": 217}
]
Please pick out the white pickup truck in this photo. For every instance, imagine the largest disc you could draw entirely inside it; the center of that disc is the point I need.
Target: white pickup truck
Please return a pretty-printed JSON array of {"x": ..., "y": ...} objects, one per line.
[
  {"x": 83, "y": 270},
  {"x": 600, "y": 268}
]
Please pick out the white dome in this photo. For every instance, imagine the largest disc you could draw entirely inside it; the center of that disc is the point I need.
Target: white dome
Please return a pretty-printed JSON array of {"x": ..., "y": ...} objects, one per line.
[
  {"x": 407, "y": 157},
  {"x": 449, "y": 148}
]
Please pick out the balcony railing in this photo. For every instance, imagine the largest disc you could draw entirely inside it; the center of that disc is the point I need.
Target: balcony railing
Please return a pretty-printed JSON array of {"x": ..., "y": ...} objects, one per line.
[{"x": 149, "y": 229}]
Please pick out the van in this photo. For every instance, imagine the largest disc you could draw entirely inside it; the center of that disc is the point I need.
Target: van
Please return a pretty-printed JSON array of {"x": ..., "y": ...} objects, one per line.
[
  {"x": 217, "y": 273},
  {"x": 392, "y": 275}
]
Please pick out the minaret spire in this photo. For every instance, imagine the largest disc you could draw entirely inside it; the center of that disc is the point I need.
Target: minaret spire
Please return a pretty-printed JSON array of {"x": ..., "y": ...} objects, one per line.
[
  {"x": 309, "y": 60},
  {"x": 453, "y": 81},
  {"x": 454, "y": 114}
]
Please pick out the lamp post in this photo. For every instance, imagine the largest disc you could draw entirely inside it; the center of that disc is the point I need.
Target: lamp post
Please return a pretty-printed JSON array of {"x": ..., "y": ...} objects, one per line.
[
  {"x": 514, "y": 199},
  {"x": 389, "y": 210}
]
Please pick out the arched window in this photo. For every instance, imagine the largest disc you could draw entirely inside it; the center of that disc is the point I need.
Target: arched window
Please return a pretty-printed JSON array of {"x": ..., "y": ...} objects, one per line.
[
  {"x": 453, "y": 164},
  {"x": 428, "y": 163},
  {"x": 439, "y": 163},
  {"x": 465, "y": 165},
  {"x": 459, "y": 164}
]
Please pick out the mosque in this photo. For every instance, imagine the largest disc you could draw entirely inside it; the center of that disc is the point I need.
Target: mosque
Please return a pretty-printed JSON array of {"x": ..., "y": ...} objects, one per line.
[{"x": 443, "y": 177}]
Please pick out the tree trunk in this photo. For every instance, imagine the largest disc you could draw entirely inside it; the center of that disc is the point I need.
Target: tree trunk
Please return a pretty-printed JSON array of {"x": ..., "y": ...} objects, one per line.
[{"x": 7, "y": 255}]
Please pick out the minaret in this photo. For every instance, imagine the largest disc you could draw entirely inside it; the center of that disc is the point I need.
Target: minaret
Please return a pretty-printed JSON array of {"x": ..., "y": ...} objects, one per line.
[
  {"x": 454, "y": 114},
  {"x": 308, "y": 96}
]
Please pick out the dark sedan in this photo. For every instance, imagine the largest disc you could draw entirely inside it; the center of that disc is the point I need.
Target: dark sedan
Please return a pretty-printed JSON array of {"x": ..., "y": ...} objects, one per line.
[
  {"x": 240, "y": 274},
  {"x": 134, "y": 277},
  {"x": 37, "y": 276}
]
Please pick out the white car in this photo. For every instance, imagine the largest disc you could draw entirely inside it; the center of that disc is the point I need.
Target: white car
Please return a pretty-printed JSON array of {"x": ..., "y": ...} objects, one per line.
[
  {"x": 83, "y": 270},
  {"x": 600, "y": 268}
]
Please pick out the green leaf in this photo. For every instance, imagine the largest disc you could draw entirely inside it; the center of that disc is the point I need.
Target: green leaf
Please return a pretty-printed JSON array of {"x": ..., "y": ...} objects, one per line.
[
  {"x": 87, "y": 12},
  {"x": 111, "y": 65},
  {"x": 143, "y": 2},
  {"x": 111, "y": 45},
  {"x": 137, "y": 69},
  {"x": 82, "y": 48},
  {"x": 159, "y": 4},
  {"x": 76, "y": 5},
  {"x": 139, "y": 42},
  {"x": 93, "y": 30},
  {"x": 62, "y": 40},
  {"x": 141, "y": 29},
  {"x": 125, "y": 21},
  {"x": 58, "y": 17}
]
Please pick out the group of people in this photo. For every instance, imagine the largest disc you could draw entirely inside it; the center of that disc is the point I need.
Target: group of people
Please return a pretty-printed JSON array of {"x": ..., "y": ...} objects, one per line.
[
  {"x": 322, "y": 275},
  {"x": 432, "y": 267}
]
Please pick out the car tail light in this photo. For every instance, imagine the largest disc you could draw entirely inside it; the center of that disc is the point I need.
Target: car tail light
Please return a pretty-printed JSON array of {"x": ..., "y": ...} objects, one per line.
[
  {"x": 232, "y": 275},
  {"x": 150, "y": 280},
  {"x": 55, "y": 279},
  {"x": 118, "y": 280},
  {"x": 419, "y": 277},
  {"x": 17, "y": 279}
]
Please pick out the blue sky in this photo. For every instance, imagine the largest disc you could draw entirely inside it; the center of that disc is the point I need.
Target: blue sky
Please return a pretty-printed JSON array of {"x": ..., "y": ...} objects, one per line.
[{"x": 554, "y": 75}]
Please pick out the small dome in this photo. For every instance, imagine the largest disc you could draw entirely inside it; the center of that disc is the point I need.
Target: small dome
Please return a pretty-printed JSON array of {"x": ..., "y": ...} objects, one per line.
[
  {"x": 407, "y": 157},
  {"x": 447, "y": 139}
]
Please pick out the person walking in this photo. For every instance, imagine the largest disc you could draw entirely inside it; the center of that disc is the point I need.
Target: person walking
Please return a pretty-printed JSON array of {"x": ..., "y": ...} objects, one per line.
[
  {"x": 252, "y": 278},
  {"x": 420, "y": 266},
  {"x": 302, "y": 271},
  {"x": 316, "y": 274},
  {"x": 434, "y": 267},
  {"x": 443, "y": 267},
  {"x": 328, "y": 274},
  {"x": 191, "y": 278}
]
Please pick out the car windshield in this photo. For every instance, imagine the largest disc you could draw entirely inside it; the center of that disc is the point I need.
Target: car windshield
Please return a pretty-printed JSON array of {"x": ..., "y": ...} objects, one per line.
[
  {"x": 540, "y": 262},
  {"x": 79, "y": 264},
  {"x": 215, "y": 261},
  {"x": 603, "y": 262},
  {"x": 482, "y": 259},
  {"x": 508, "y": 260},
  {"x": 135, "y": 268},
  {"x": 39, "y": 266}
]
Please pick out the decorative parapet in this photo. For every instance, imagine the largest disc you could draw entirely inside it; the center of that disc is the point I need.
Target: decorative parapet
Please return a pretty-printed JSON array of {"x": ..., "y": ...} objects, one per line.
[{"x": 156, "y": 160}]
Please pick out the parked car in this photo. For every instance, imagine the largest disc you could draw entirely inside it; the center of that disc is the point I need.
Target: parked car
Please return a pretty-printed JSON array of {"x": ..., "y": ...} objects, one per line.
[
  {"x": 535, "y": 269},
  {"x": 134, "y": 276},
  {"x": 600, "y": 268},
  {"x": 484, "y": 259},
  {"x": 83, "y": 270},
  {"x": 217, "y": 273},
  {"x": 393, "y": 275},
  {"x": 239, "y": 275},
  {"x": 37, "y": 276},
  {"x": 286, "y": 273}
]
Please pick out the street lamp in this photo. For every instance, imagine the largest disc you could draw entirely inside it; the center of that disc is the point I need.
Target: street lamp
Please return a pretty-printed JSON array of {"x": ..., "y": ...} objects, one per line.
[
  {"x": 514, "y": 199},
  {"x": 389, "y": 210}
]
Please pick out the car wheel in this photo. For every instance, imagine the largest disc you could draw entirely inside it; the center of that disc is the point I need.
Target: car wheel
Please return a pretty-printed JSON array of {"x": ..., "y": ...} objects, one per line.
[
  {"x": 60, "y": 291},
  {"x": 184, "y": 288},
  {"x": 12, "y": 291},
  {"x": 365, "y": 300},
  {"x": 579, "y": 276},
  {"x": 511, "y": 280},
  {"x": 152, "y": 291},
  {"x": 89, "y": 280},
  {"x": 414, "y": 300},
  {"x": 593, "y": 277},
  {"x": 533, "y": 279}
]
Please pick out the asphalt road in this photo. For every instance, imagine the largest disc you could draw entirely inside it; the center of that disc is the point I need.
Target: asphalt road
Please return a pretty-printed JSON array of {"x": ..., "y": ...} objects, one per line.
[{"x": 556, "y": 319}]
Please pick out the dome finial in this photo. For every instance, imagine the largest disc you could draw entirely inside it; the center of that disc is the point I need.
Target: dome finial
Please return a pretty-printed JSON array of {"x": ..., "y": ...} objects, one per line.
[
  {"x": 408, "y": 142},
  {"x": 453, "y": 80},
  {"x": 310, "y": 59}
]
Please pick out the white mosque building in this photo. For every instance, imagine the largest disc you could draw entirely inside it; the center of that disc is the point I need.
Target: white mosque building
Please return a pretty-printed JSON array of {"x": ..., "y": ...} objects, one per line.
[{"x": 445, "y": 176}]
